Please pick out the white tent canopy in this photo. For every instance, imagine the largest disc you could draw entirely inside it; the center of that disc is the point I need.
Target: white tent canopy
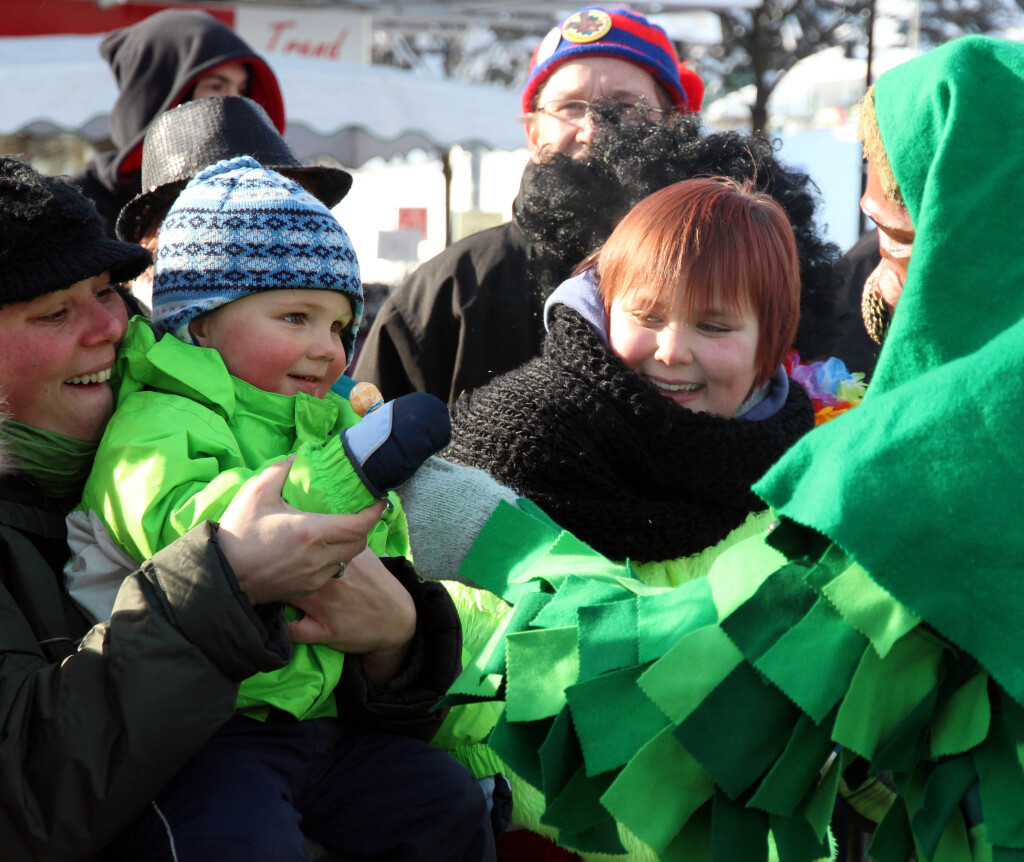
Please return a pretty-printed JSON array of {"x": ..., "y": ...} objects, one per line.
[{"x": 349, "y": 111}]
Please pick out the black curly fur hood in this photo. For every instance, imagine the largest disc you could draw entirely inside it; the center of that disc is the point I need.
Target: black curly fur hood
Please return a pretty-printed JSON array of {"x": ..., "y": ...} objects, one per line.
[{"x": 568, "y": 208}]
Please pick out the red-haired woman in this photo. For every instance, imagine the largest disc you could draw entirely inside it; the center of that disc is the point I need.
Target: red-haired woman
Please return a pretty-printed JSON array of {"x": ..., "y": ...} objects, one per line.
[{"x": 660, "y": 396}]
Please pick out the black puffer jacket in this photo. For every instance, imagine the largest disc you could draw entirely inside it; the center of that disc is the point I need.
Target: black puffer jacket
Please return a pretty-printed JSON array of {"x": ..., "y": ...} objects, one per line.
[{"x": 157, "y": 62}]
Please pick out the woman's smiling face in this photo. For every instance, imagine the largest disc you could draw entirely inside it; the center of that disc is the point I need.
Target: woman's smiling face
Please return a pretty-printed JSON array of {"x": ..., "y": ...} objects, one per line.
[
  {"x": 56, "y": 356},
  {"x": 704, "y": 361}
]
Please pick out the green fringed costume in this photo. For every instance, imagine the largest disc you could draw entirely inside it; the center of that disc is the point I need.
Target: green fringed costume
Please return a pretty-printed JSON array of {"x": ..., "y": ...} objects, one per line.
[{"x": 878, "y": 628}]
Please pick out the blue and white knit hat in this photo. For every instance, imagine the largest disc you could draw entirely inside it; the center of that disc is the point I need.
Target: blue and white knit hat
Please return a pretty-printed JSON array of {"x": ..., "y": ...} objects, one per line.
[{"x": 238, "y": 229}]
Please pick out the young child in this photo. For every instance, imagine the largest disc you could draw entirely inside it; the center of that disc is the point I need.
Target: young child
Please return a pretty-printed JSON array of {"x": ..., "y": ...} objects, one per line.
[{"x": 258, "y": 297}]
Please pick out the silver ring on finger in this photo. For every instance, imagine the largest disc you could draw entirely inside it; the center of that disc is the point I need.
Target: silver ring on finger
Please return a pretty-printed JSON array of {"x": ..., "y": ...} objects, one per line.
[{"x": 341, "y": 571}]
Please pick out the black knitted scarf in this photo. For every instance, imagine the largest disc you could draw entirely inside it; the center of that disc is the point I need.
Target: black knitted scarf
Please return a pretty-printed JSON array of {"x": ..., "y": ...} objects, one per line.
[{"x": 611, "y": 459}]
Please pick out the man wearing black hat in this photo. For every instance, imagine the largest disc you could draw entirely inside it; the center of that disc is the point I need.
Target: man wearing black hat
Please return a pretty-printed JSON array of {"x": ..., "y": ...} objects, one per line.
[
  {"x": 169, "y": 58},
  {"x": 185, "y": 140}
]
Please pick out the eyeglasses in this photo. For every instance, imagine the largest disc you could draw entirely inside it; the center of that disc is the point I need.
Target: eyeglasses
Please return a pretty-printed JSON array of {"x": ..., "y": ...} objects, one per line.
[{"x": 575, "y": 111}]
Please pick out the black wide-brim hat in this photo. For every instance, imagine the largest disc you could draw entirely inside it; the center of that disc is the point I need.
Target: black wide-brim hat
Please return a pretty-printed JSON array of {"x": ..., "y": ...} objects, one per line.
[{"x": 185, "y": 140}]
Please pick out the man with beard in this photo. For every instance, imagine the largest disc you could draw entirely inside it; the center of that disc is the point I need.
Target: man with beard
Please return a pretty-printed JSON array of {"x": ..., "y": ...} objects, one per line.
[{"x": 475, "y": 310}]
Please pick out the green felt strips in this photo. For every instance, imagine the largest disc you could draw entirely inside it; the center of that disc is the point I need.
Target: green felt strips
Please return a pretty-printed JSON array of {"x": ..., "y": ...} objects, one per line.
[
  {"x": 482, "y": 675},
  {"x": 470, "y": 687},
  {"x": 869, "y": 608},
  {"x": 981, "y": 850},
  {"x": 608, "y": 638},
  {"x": 519, "y": 745},
  {"x": 694, "y": 840},
  {"x": 936, "y": 816},
  {"x": 576, "y": 593},
  {"x": 893, "y": 840},
  {"x": 658, "y": 791},
  {"x": 1002, "y": 786},
  {"x": 1013, "y": 715},
  {"x": 570, "y": 557},
  {"x": 665, "y": 617},
  {"x": 739, "y": 729},
  {"x": 739, "y": 571},
  {"x": 954, "y": 843},
  {"x": 602, "y": 838},
  {"x": 612, "y": 700},
  {"x": 738, "y": 834},
  {"x": 832, "y": 561},
  {"x": 508, "y": 544},
  {"x": 560, "y": 755},
  {"x": 821, "y": 799},
  {"x": 525, "y": 611},
  {"x": 814, "y": 660},
  {"x": 578, "y": 810},
  {"x": 906, "y": 744},
  {"x": 884, "y": 691},
  {"x": 785, "y": 786},
  {"x": 680, "y": 680},
  {"x": 795, "y": 541},
  {"x": 538, "y": 514},
  {"x": 778, "y": 604},
  {"x": 699, "y": 716},
  {"x": 796, "y": 841},
  {"x": 541, "y": 665},
  {"x": 962, "y": 721}
]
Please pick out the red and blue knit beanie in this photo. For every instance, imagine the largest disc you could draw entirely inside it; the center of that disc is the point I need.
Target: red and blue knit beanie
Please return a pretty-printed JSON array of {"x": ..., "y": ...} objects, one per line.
[{"x": 617, "y": 33}]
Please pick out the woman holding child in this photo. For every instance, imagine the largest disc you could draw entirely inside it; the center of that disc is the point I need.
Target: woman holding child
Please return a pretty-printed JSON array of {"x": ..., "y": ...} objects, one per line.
[{"x": 95, "y": 720}]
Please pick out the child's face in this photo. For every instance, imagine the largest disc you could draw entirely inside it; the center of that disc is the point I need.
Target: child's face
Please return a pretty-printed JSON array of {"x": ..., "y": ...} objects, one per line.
[
  {"x": 705, "y": 362},
  {"x": 284, "y": 341}
]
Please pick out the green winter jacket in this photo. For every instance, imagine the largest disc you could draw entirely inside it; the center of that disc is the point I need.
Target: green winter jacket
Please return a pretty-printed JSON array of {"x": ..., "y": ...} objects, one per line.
[{"x": 184, "y": 440}]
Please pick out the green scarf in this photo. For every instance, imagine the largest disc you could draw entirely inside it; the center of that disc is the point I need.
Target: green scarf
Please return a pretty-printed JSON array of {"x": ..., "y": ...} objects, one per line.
[
  {"x": 57, "y": 464},
  {"x": 922, "y": 484}
]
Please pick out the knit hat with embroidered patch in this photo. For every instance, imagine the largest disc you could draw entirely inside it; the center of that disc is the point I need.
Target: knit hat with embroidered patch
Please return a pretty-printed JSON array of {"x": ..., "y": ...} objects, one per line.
[
  {"x": 620, "y": 34},
  {"x": 238, "y": 229}
]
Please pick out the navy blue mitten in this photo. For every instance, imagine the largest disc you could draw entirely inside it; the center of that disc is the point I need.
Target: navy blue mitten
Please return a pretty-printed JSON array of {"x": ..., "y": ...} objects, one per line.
[{"x": 395, "y": 438}]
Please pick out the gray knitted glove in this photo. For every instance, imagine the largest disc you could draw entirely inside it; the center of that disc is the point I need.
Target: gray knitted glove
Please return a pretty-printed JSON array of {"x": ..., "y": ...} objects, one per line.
[{"x": 446, "y": 505}]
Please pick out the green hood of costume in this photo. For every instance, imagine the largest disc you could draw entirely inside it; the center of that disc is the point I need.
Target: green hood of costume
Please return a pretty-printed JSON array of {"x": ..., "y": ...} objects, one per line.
[{"x": 922, "y": 483}]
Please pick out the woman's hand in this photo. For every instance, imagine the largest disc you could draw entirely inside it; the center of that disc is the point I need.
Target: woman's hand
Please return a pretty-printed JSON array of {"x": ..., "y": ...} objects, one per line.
[
  {"x": 281, "y": 554},
  {"x": 366, "y": 611}
]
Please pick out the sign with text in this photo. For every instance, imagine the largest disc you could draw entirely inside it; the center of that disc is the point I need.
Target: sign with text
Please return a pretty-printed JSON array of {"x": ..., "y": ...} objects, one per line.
[
  {"x": 401, "y": 245},
  {"x": 325, "y": 35},
  {"x": 413, "y": 218}
]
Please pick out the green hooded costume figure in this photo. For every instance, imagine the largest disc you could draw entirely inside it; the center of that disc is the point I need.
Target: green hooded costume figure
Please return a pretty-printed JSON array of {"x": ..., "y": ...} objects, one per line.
[{"x": 877, "y": 629}]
